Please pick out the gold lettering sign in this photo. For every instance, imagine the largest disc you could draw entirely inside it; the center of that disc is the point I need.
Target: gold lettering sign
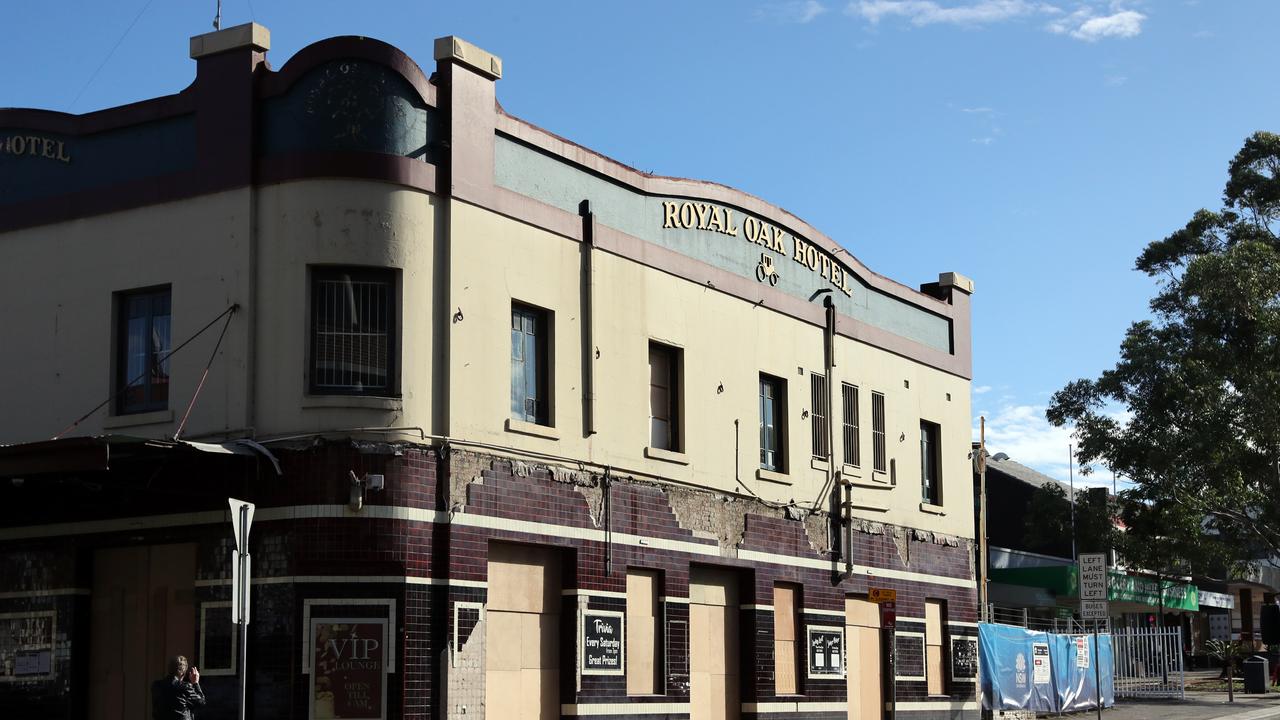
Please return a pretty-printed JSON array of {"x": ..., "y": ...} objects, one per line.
[
  {"x": 36, "y": 146},
  {"x": 706, "y": 216}
]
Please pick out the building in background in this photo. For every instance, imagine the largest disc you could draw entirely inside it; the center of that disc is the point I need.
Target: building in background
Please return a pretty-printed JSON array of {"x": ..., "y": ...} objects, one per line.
[
  {"x": 529, "y": 433},
  {"x": 1033, "y": 578}
]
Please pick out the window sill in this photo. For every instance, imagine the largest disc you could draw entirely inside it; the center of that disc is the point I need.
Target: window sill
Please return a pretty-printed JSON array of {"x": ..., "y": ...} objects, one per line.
[
  {"x": 156, "y": 417},
  {"x": 670, "y": 456},
  {"x": 932, "y": 509},
  {"x": 527, "y": 428},
  {"x": 364, "y": 402},
  {"x": 773, "y": 477},
  {"x": 818, "y": 464},
  {"x": 855, "y": 505}
]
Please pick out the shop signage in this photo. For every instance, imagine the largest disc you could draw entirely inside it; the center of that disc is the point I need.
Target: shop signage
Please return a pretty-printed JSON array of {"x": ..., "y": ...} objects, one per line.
[
  {"x": 1218, "y": 600},
  {"x": 602, "y": 642},
  {"x": 826, "y": 650},
  {"x": 1040, "y": 664},
  {"x": 964, "y": 659},
  {"x": 718, "y": 219},
  {"x": 34, "y": 146},
  {"x": 349, "y": 669}
]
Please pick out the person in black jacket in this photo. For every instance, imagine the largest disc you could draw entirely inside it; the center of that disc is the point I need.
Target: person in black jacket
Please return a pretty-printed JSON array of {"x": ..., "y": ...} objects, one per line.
[{"x": 175, "y": 697}]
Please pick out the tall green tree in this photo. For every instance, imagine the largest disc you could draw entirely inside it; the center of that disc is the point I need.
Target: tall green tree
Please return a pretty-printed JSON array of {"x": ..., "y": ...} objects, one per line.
[{"x": 1199, "y": 382}]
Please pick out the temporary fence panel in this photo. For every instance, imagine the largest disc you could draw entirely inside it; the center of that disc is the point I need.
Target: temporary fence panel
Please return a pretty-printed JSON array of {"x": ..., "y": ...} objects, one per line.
[
  {"x": 1075, "y": 676},
  {"x": 1149, "y": 663},
  {"x": 1042, "y": 672}
]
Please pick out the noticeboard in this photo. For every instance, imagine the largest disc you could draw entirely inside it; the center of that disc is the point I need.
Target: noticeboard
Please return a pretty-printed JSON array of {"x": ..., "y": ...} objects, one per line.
[
  {"x": 826, "y": 651},
  {"x": 602, "y": 634},
  {"x": 964, "y": 659}
]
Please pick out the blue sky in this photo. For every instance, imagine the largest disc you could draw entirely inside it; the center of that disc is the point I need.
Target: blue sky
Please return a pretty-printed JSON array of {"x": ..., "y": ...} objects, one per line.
[{"x": 1034, "y": 146}]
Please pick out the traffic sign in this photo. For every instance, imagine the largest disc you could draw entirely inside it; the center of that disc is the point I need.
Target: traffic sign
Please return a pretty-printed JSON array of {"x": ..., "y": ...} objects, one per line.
[
  {"x": 1093, "y": 576},
  {"x": 882, "y": 595},
  {"x": 1094, "y": 610}
]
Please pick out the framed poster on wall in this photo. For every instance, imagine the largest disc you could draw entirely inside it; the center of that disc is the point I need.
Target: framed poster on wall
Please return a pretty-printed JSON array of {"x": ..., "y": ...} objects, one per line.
[
  {"x": 826, "y": 651},
  {"x": 348, "y": 668}
]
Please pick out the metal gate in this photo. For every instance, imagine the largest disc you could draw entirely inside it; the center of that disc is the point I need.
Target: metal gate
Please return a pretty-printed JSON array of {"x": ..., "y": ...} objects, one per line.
[{"x": 1149, "y": 663}]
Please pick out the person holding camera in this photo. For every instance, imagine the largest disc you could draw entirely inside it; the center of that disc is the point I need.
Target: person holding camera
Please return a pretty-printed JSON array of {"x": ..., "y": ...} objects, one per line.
[{"x": 176, "y": 696}]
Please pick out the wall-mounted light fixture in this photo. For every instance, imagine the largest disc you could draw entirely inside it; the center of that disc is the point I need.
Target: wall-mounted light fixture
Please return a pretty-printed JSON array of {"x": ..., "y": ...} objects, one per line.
[{"x": 371, "y": 482}]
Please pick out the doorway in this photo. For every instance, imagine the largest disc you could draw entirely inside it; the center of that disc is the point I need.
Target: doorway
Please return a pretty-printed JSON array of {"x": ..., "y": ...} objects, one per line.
[
  {"x": 522, "y": 633},
  {"x": 713, "y": 645},
  {"x": 866, "y": 685},
  {"x": 142, "y": 613}
]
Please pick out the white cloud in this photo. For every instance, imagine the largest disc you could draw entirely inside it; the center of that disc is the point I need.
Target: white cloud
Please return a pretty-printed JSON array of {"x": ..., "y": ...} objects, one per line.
[
  {"x": 929, "y": 12},
  {"x": 978, "y": 110},
  {"x": 1084, "y": 24},
  {"x": 794, "y": 11},
  {"x": 1022, "y": 432},
  {"x": 1091, "y": 21},
  {"x": 982, "y": 389}
]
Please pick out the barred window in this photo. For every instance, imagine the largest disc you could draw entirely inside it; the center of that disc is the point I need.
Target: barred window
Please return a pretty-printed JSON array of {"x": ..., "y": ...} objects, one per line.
[
  {"x": 352, "y": 331},
  {"x": 818, "y": 414},
  {"x": 879, "y": 453},
  {"x": 852, "y": 443}
]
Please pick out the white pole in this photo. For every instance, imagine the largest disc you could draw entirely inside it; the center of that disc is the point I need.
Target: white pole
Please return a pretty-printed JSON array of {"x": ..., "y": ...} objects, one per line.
[{"x": 243, "y": 559}]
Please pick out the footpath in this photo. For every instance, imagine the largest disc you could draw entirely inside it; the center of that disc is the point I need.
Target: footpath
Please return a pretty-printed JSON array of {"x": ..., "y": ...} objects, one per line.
[{"x": 1197, "y": 706}]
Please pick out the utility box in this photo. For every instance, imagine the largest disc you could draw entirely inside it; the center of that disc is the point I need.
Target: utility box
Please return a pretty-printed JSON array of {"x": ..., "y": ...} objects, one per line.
[{"x": 1256, "y": 674}]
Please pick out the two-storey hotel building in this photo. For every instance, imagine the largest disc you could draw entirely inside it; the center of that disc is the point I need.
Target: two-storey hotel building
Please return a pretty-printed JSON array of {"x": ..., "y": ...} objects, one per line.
[{"x": 528, "y": 433}]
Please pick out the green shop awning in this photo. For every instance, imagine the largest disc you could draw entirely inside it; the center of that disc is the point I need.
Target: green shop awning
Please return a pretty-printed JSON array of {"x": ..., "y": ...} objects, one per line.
[{"x": 1064, "y": 582}]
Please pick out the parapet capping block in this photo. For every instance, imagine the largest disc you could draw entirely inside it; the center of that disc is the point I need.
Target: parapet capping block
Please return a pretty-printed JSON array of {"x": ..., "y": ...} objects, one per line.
[
  {"x": 451, "y": 47},
  {"x": 250, "y": 35}
]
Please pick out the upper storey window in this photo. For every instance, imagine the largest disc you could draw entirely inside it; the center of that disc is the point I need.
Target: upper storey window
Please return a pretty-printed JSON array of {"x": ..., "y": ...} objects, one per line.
[
  {"x": 530, "y": 364},
  {"x": 664, "y": 397},
  {"x": 142, "y": 350},
  {"x": 773, "y": 408},
  {"x": 352, "y": 331},
  {"x": 930, "y": 463}
]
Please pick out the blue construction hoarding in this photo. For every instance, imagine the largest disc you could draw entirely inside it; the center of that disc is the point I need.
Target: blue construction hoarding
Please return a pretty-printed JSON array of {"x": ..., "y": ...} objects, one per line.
[{"x": 1044, "y": 672}]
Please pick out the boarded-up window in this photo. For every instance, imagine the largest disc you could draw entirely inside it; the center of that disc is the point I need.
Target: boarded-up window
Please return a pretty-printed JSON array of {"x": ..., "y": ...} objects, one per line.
[
  {"x": 644, "y": 633},
  {"x": 786, "y": 603},
  {"x": 934, "y": 612}
]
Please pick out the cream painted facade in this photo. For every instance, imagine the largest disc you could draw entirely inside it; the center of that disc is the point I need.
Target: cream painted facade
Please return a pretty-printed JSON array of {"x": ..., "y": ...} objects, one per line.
[
  {"x": 492, "y": 261},
  {"x": 726, "y": 343}
]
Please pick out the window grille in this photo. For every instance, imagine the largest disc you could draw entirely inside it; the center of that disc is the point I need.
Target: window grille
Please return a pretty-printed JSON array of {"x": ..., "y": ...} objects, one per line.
[
  {"x": 879, "y": 453},
  {"x": 352, "y": 332}
]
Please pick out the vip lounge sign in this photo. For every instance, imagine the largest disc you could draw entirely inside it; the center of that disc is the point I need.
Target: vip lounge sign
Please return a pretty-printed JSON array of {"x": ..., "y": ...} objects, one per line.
[{"x": 349, "y": 669}]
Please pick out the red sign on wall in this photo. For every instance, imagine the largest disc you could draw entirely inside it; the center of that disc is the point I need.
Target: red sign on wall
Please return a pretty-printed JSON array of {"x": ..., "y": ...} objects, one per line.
[
  {"x": 348, "y": 670},
  {"x": 888, "y": 615}
]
